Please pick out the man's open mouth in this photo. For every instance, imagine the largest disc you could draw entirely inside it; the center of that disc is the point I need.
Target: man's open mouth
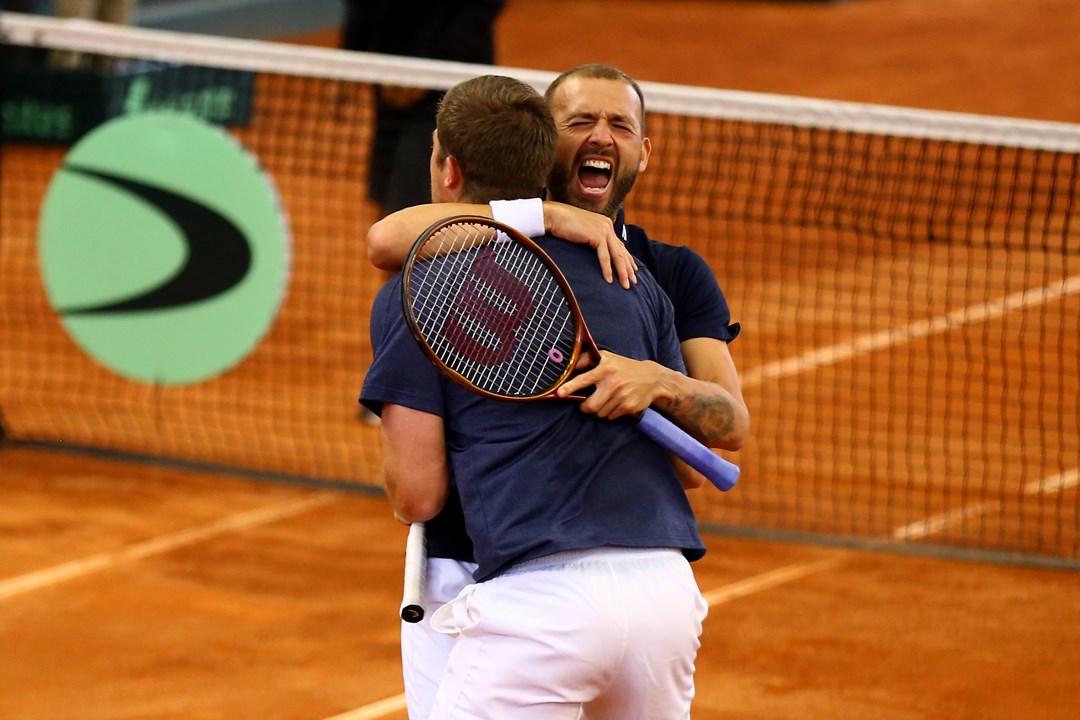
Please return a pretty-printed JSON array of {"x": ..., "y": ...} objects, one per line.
[{"x": 594, "y": 175}]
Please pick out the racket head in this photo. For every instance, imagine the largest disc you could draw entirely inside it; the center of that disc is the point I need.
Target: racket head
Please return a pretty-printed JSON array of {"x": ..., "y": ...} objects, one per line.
[{"x": 491, "y": 309}]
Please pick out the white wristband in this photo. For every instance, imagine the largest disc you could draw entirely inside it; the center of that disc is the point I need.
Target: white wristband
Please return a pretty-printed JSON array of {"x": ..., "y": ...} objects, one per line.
[{"x": 526, "y": 215}]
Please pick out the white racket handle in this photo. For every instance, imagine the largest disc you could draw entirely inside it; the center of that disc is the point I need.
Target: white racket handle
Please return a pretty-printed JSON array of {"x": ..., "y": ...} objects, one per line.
[{"x": 412, "y": 598}]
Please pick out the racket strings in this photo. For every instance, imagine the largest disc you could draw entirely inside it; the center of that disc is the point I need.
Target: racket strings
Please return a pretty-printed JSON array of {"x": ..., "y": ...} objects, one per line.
[
  {"x": 435, "y": 281},
  {"x": 438, "y": 283},
  {"x": 530, "y": 370},
  {"x": 546, "y": 342},
  {"x": 492, "y": 312}
]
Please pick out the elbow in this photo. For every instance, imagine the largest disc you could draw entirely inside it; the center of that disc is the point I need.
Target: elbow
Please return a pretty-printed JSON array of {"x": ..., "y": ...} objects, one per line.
[
  {"x": 376, "y": 259},
  {"x": 380, "y": 248},
  {"x": 417, "y": 507},
  {"x": 738, "y": 432},
  {"x": 743, "y": 434},
  {"x": 417, "y": 498},
  {"x": 736, "y": 441},
  {"x": 740, "y": 438}
]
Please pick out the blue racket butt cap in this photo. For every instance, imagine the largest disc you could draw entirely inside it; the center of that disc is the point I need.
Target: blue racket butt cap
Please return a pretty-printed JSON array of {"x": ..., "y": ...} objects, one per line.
[{"x": 720, "y": 472}]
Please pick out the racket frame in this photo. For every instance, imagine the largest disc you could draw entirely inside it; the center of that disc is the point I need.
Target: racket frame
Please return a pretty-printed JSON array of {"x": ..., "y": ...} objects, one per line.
[{"x": 583, "y": 340}]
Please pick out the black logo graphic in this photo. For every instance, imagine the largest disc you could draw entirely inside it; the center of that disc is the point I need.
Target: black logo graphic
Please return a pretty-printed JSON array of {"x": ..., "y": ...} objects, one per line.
[{"x": 219, "y": 256}]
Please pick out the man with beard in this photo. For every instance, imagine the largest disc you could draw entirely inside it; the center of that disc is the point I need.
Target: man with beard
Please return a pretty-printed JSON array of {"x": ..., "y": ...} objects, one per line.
[{"x": 600, "y": 117}]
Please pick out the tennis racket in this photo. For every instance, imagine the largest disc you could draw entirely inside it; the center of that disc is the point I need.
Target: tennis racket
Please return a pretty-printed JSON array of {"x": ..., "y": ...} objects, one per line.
[
  {"x": 412, "y": 598},
  {"x": 493, "y": 312}
]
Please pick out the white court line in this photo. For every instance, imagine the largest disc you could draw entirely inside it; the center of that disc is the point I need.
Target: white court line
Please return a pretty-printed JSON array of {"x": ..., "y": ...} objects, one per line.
[
  {"x": 741, "y": 588},
  {"x": 870, "y": 342},
  {"x": 106, "y": 560},
  {"x": 374, "y": 710},
  {"x": 827, "y": 356},
  {"x": 765, "y": 581},
  {"x": 1053, "y": 483},
  {"x": 831, "y": 355},
  {"x": 936, "y": 523}
]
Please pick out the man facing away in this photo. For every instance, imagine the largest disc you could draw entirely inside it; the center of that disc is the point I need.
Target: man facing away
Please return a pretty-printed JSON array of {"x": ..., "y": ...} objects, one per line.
[{"x": 580, "y": 527}]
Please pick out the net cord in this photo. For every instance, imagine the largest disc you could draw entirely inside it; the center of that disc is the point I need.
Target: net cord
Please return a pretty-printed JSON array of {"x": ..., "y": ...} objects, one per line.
[{"x": 300, "y": 60}]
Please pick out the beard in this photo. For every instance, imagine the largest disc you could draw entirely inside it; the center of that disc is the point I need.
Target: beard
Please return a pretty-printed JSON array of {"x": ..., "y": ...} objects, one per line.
[{"x": 563, "y": 187}]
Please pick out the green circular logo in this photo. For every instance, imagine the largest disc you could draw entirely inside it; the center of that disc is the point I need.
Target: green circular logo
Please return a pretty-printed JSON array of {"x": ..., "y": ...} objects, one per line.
[{"x": 163, "y": 248}]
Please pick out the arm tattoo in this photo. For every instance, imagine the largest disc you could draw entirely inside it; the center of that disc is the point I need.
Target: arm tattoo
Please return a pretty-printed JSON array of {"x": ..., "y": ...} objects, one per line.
[{"x": 714, "y": 416}]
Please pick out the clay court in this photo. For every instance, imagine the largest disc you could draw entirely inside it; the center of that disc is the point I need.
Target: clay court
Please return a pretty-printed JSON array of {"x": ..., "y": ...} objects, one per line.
[{"x": 134, "y": 589}]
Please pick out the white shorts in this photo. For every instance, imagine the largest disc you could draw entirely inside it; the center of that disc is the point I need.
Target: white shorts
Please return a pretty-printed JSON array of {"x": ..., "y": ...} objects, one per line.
[
  {"x": 424, "y": 652},
  {"x": 611, "y": 631}
]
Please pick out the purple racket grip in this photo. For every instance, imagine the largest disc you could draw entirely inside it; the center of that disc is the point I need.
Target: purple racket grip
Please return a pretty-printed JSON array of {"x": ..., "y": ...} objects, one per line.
[{"x": 669, "y": 436}]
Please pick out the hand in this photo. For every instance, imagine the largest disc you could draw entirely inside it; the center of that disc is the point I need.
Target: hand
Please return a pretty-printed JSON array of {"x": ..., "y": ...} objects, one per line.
[
  {"x": 597, "y": 231},
  {"x": 621, "y": 386}
]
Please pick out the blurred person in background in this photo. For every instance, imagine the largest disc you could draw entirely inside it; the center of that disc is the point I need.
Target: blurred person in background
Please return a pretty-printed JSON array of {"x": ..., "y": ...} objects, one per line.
[
  {"x": 17, "y": 55},
  {"x": 121, "y": 12},
  {"x": 461, "y": 31}
]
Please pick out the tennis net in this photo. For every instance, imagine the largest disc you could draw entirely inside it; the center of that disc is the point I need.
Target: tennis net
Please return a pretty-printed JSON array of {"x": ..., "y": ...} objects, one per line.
[{"x": 908, "y": 284}]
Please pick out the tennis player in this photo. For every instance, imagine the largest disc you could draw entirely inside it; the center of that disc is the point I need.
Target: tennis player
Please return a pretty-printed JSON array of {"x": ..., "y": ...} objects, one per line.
[
  {"x": 582, "y": 532},
  {"x": 599, "y": 114}
]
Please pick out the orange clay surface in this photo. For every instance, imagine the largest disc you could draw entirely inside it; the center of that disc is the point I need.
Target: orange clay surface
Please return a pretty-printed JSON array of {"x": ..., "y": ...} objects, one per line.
[{"x": 134, "y": 591}]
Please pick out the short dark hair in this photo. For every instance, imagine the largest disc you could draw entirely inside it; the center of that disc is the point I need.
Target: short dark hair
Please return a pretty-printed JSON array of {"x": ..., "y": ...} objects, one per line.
[
  {"x": 501, "y": 133},
  {"x": 598, "y": 71}
]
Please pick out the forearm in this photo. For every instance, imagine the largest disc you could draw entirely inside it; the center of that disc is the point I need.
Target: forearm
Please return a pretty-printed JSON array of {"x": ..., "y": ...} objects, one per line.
[
  {"x": 390, "y": 239},
  {"x": 704, "y": 409}
]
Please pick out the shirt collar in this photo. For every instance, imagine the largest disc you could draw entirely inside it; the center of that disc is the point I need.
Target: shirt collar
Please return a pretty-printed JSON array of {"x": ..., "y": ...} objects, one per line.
[{"x": 620, "y": 223}]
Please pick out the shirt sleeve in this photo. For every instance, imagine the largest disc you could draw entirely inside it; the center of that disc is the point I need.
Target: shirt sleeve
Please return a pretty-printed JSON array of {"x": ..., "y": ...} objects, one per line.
[{"x": 701, "y": 310}]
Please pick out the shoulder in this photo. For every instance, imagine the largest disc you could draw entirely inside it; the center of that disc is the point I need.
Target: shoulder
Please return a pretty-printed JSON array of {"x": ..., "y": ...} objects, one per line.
[
  {"x": 665, "y": 259},
  {"x": 678, "y": 268},
  {"x": 701, "y": 309}
]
